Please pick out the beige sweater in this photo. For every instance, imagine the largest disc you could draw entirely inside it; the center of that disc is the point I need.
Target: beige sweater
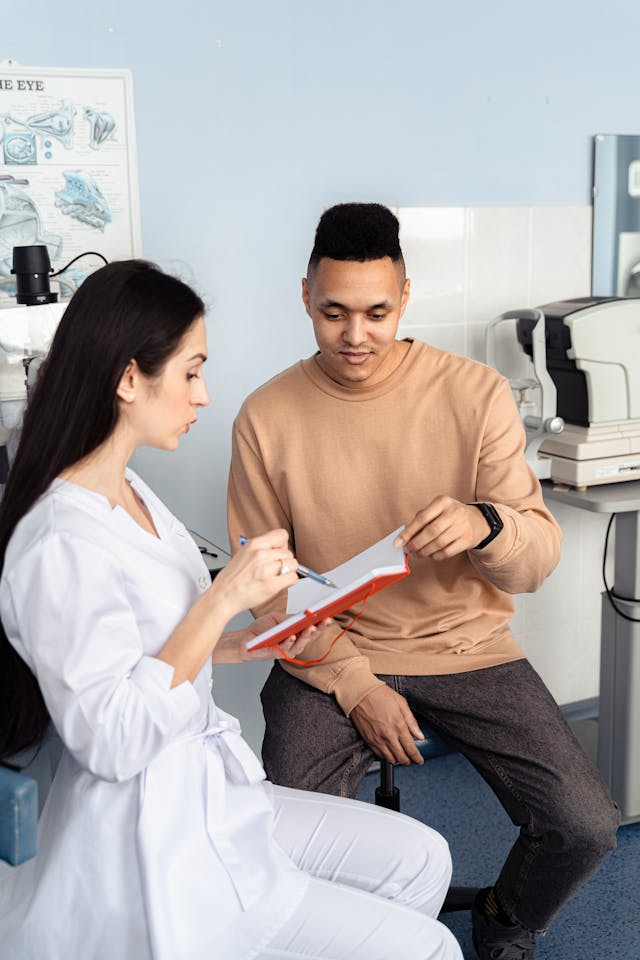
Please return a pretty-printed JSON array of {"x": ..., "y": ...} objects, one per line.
[{"x": 341, "y": 467}]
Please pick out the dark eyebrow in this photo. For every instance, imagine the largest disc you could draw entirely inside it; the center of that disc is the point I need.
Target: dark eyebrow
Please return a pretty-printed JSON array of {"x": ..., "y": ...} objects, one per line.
[
  {"x": 383, "y": 305},
  {"x": 197, "y": 356}
]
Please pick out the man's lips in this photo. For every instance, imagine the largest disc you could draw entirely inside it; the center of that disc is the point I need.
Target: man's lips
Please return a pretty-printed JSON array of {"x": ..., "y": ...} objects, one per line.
[{"x": 353, "y": 357}]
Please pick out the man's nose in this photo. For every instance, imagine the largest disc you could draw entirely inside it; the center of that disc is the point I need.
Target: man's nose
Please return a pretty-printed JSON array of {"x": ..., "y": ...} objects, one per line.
[{"x": 354, "y": 332}]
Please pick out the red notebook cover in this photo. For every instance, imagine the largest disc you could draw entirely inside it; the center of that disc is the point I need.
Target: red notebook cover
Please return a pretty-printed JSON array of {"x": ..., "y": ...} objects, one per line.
[{"x": 378, "y": 567}]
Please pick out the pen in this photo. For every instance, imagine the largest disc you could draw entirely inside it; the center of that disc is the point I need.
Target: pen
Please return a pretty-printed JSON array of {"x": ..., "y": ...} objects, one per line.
[
  {"x": 304, "y": 571},
  {"x": 319, "y": 577}
]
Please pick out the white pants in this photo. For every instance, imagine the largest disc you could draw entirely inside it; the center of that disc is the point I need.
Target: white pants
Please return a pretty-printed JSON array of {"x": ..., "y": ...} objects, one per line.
[{"x": 378, "y": 880}]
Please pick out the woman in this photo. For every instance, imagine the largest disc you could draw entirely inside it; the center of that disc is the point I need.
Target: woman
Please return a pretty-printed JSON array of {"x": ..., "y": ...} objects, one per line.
[{"x": 160, "y": 837}]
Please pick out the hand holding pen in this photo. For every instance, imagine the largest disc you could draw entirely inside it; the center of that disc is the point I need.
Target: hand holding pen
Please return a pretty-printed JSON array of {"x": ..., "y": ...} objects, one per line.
[{"x": 302, "y": 571}]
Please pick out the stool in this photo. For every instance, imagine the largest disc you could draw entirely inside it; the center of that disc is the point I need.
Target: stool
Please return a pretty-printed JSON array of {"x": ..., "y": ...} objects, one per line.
[{"x": 388, "y": 795}]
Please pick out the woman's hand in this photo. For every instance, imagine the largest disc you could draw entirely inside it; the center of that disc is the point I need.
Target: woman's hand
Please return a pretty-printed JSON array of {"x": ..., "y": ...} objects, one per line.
[
  {"x": 231, "y": 647},
  {"x": 262, "y": 569}
]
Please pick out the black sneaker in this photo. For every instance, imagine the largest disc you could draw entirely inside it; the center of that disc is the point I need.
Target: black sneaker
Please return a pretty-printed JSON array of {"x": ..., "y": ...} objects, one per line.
[{"x": 494, "y": 941}]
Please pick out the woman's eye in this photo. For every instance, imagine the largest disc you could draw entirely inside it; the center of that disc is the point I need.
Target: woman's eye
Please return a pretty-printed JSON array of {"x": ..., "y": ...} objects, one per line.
[{"x": 193, "y": 376}]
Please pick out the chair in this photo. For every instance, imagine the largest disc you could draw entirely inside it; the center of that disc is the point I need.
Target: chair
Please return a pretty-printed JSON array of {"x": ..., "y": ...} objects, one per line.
[
  {"x": 388, "y": 795},
  {"x": 25, "y": 780},
  {"x": 18, "y": 816}
]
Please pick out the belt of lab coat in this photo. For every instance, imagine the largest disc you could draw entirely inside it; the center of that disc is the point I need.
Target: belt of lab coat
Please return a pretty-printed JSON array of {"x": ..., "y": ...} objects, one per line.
[
  {"x": 227, "y": 758},
  {"x": 240, "y": 766}
]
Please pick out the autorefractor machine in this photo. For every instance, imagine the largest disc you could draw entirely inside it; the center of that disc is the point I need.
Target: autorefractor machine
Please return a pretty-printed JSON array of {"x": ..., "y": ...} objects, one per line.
[{"x": 581, "y": 404}]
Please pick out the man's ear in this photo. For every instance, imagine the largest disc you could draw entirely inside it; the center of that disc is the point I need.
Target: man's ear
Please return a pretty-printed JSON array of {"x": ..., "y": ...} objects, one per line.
[
  {"x": 306, "y": 296},
  {"x": 406, "y": 292},
  {"x": 129, "y": 381}
]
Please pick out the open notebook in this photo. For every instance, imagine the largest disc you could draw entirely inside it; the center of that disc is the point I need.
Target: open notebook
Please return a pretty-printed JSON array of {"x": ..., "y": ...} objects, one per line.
[{"x": 309, "y": 602}]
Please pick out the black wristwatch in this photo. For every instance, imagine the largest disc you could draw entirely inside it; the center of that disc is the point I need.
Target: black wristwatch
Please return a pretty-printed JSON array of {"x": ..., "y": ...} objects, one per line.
[{"x": 492, "y": 517}]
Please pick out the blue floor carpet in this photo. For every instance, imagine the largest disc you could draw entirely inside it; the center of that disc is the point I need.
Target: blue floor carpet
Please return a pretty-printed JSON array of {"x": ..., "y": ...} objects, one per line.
[{"x": 601, "y": 922}]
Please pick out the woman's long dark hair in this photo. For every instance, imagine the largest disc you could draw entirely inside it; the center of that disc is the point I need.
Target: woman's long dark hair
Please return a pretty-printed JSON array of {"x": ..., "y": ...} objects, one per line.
[{"x": 126, "y": 310}]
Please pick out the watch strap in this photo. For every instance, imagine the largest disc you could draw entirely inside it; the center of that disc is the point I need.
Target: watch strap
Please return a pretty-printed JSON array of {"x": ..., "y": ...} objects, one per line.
[{"x": 492, "y": 517}]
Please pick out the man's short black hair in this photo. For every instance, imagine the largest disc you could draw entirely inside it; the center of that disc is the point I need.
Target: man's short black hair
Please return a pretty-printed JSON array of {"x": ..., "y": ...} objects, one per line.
[{"x": 357, "y": 231}]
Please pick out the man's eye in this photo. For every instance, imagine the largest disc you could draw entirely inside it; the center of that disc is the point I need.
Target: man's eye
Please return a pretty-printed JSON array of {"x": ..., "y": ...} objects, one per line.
[
  {"x": 377, "y": 316},
  {"x": 332, "y": 316}
]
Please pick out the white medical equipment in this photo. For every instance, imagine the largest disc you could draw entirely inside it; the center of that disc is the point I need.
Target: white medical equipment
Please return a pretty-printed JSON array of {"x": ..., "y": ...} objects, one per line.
[
  {"x": 584, "y": 390},
  {"x": 27, "y": 326}
]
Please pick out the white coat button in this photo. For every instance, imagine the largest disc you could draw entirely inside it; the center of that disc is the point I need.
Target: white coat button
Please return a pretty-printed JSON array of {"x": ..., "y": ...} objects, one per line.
[{"x": 203, "y": 583}]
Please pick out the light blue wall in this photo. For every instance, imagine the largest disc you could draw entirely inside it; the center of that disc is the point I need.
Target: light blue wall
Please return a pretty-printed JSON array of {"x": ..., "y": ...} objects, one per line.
[{"x": 252, "y": 117}]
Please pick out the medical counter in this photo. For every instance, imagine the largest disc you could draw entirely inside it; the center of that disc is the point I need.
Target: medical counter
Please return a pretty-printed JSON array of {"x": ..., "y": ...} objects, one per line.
[
  {"x": 214, "y": 557},
  {"x": 618, "y": 753}
]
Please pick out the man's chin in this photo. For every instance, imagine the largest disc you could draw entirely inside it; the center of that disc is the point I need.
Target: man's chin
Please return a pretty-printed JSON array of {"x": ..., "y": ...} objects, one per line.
[{"x": 353, "y": 374}]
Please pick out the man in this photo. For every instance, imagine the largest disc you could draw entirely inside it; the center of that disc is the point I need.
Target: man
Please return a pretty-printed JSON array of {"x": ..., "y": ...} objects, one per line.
[{"x": 370, "y": 434}]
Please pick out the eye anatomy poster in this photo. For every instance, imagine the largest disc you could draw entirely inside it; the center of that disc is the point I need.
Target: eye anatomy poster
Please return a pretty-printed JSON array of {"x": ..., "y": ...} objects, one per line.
[{"x": 68, "y": 171}]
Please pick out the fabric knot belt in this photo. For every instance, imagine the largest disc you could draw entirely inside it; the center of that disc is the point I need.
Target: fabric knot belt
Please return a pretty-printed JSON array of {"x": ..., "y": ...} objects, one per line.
[
  {"x": 191, "y": 778},
  {"x": 240, "y": 763}
]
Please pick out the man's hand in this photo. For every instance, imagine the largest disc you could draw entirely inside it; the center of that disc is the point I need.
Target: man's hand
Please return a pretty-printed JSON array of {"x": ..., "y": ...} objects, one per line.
[
  {"x": 443, "y": 529},
  {"x": 385, "y": 721}
]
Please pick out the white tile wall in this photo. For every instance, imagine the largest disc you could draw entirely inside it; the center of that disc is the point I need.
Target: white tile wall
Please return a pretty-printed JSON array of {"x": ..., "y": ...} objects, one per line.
[
  {"x": 435, "y": 246},
  {"x": 560, "y": 253},
  {"x": 467, "y": 266},
  {"x": 498, "y": 265}
]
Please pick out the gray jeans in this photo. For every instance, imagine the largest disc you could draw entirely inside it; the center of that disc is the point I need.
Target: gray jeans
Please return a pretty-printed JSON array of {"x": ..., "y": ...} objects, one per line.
[{"x": 505, "y": 721}]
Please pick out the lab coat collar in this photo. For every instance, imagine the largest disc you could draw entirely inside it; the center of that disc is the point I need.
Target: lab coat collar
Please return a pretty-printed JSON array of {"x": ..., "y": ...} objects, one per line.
[{"x": 173, "y": 539}]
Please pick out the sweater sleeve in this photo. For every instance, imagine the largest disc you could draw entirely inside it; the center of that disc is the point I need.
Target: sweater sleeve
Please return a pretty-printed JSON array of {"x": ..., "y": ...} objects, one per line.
[
  {"x": 528, "y": 548},
  {"x": 253, "y": 507},
  {"x": 345, "y": 673}
]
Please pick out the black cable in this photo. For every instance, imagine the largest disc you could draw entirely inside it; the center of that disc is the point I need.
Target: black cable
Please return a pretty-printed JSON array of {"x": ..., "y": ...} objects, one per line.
[
  {"x": 208, "y": 553},
  {"x": 87, "y": 253},
  {"x": 611, "y": 593}
]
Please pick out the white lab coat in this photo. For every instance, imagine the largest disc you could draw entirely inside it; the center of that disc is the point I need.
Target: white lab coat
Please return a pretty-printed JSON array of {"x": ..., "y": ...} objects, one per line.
[{"x": 156, "y": 840}]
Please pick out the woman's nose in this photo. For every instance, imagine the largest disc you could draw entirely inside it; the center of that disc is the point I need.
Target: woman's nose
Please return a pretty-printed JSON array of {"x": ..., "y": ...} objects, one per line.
[{"x": 202, "y": 398}]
